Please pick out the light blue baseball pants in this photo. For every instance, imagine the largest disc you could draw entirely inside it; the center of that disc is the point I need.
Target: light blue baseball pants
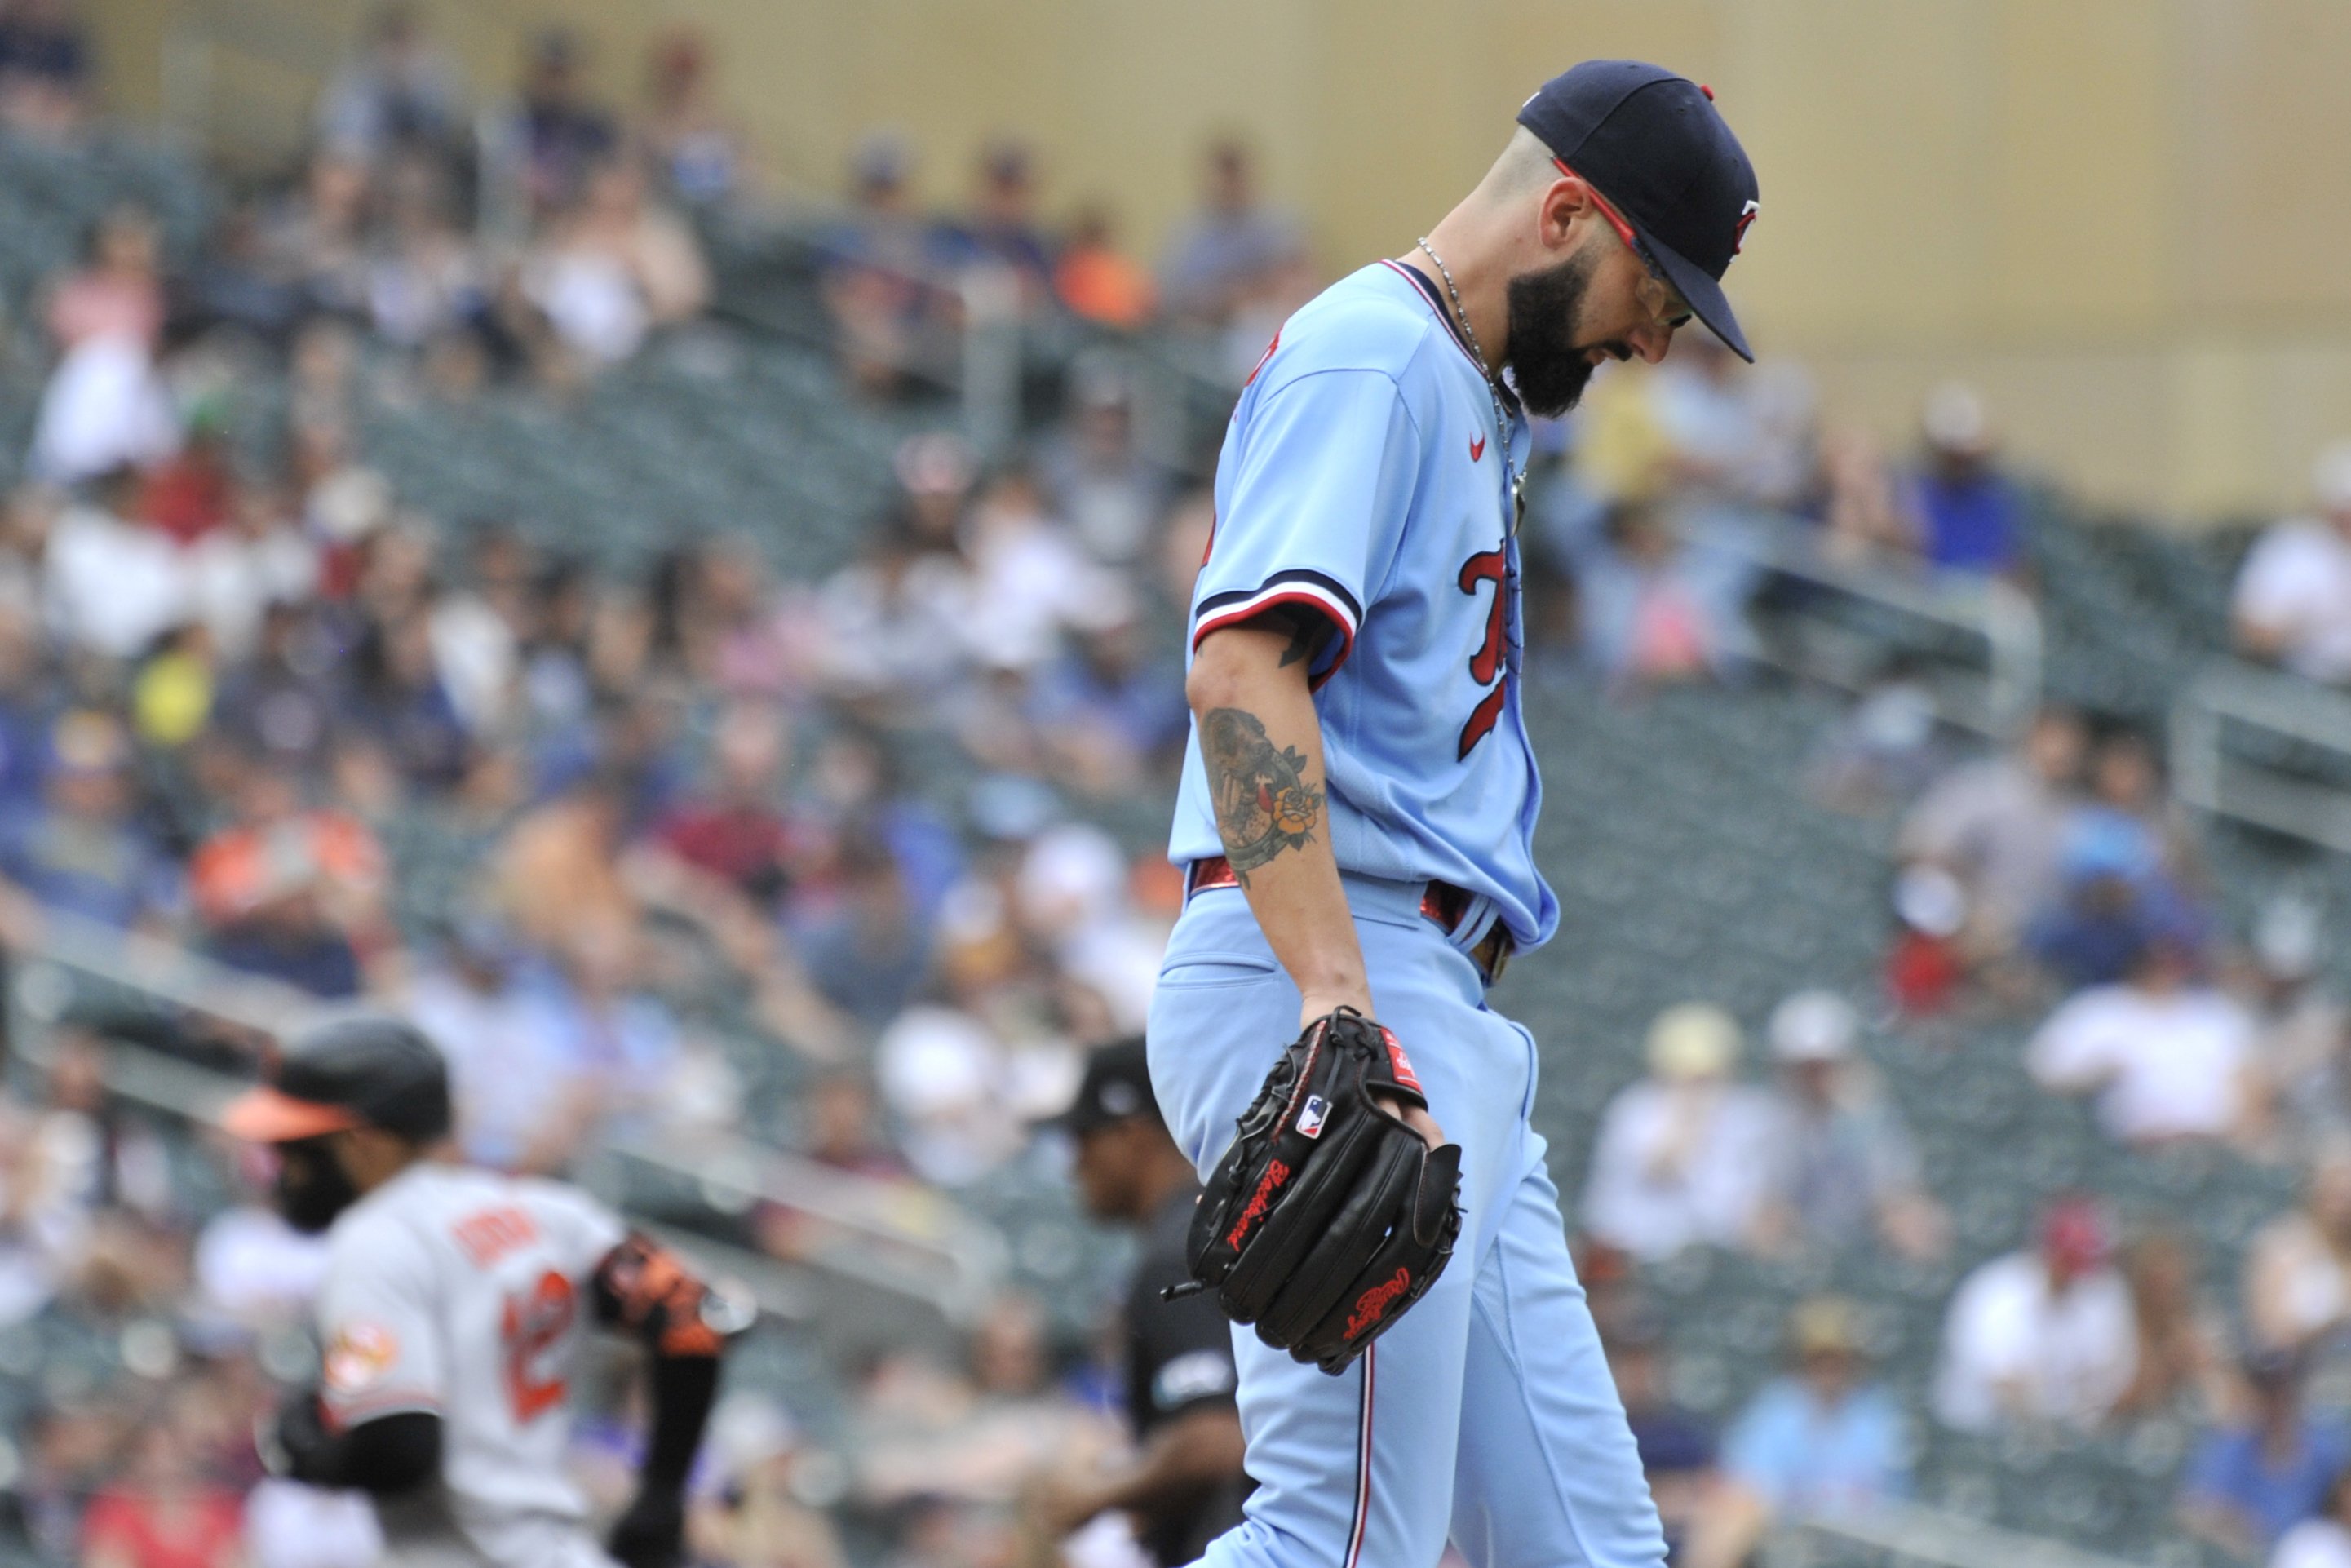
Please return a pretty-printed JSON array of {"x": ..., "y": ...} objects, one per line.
[{"x": 1488, "y": 1415}]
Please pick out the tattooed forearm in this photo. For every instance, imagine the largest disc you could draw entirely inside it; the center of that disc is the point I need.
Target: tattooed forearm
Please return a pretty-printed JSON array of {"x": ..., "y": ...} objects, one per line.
[{"x": 1263, "y": 802}]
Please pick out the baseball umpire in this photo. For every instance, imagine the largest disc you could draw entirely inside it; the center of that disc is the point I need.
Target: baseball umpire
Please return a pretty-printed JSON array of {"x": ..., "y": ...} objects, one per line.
[
  {"x": 1356, "y": 825},
  {"x": 450, "y": 1314},
  {"x": 1184, "y": 1486}
]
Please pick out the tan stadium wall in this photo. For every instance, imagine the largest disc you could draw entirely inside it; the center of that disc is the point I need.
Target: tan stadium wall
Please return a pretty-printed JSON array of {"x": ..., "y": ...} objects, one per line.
[{"x": 2130, "y": 220}]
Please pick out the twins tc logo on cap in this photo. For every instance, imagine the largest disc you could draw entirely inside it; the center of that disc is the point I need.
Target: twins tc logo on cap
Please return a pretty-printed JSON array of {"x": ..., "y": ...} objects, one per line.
[{"x": 1310, "y": 1120}]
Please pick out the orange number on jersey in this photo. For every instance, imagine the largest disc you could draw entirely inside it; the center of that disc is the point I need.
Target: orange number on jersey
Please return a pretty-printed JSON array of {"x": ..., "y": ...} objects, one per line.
[{"x": 535, "y": 1320}]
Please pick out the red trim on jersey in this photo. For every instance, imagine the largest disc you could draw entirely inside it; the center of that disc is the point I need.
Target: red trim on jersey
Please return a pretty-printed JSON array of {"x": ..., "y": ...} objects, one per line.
[
  {"x": 1287, "y": 592},
  {"x": 1363, "y": 1466},
  {"x": 1261, "y": 359}
]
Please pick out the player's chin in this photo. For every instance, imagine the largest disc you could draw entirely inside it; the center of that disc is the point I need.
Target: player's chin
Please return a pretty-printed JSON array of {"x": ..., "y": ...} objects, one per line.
[{"x": 1552, "y": 386}]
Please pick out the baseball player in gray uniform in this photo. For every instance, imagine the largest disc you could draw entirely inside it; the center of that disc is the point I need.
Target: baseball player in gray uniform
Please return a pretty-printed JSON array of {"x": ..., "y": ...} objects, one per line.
[{"x": 451, "y": 1313}]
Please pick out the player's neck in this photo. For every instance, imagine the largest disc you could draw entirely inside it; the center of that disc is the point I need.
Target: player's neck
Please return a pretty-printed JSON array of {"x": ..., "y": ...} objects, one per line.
[{"x": 1478, "y": 273}]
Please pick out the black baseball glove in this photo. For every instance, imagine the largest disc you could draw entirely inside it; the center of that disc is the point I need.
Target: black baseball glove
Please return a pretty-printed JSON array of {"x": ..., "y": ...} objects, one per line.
[{"x": 1328, "y": 1216}]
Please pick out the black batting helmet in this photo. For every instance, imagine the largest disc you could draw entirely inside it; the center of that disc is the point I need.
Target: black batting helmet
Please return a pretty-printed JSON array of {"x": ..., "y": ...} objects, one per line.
[{"x": 365, "y": 1071}]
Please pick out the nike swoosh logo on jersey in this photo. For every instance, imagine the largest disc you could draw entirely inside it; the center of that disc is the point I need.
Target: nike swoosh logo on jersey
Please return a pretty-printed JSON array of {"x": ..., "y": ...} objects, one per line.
[{"x": 1477, "y": 449}]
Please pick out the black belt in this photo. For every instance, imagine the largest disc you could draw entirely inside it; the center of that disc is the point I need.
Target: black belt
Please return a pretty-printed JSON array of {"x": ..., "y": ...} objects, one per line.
[{"x": 1439, "y": 901}]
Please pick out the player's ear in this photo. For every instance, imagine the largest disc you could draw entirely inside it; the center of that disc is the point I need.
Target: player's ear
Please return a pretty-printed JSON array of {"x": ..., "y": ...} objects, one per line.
[{"x": 1565, "y": 213}]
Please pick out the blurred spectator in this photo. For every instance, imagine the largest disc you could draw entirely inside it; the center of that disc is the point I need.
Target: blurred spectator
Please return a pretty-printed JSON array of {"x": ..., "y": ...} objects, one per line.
[
  {"x": 2129, "y": 872},
  {"x": 1998, "y": 825},
  {"x": 2293, "y": 602},
  {"x": 1029, "y": 581},
  {"x": 1861, "y": 508},
  {"x": 1002, "y": 231},
  {"x": 2325, "y": 1540},
  {"x": 693, "y": 157},
  {"x": 2183, "y": 1344},
  {"x": 110, "y": 585},
  {"x": 288, "y": 891},
  {"x": 862, "y": 936},
  {"x": 1099, "y": 282},
  {"x": 734, "y": 830},
  {"x": 118, "y": 291},
  {"x": 250, "y": 1266},
  {"x": 190, "y": 493},
  {"x": 83, "y": 851},
  {"x": 1737, "y": 442},
  {"x": 751, "y": 1504},
  {"x": 2297, "y": 1278},
  {"x": 2040, "y": 1337},
  {"x": 397, "y": 95},
  {"x": 43, "y": 68},
  {"x": 558, "y": 871},
  {"x": 278, "y": 704},
  {"x": 25, "y": 701},
  {"x": 877, "y": 282},
  {"x": 1679, "y": 1159},
  {"x": 426, "y": 283},
  {"x": 1094, "y": 469},
  {"x": 470, "y": 1000},
  {"x": 893, "y": 620},
  {"x": 553, "y": 136},
  {"x": 165, "y": 1512},
  {"x": 1818, "y": 1441},
  {"x": 1885, "y": 747},
  {"x": 1840, "y": 1166},
  {"x": 104, "y": 405},
  {"x": 316, "y": 242},
  {"x": 1678, "y": 1452},
  {"x": 942, "y": 1078},
  {"x": 1967, "y": 514},
  {"x": 394, "y": 694},
  {"x": 611, "y": 1053},
  {"x": 2304, "y": 1029},
  {"x": 1650, "y": 610},
  {"x": 289, "y": 1525},
  {"x": 54, "y": 1174},
  {"x": 1928, "y": 961},
  {"x": 2251, "y": 1480},
  {"x": 614, "y": 268},
  {"x": 1112, "y": 706},
  {"x": 1233, "y": 250},
  {"x": 2169, "y": 1056},
  {"x": 974, "y": 1439}
]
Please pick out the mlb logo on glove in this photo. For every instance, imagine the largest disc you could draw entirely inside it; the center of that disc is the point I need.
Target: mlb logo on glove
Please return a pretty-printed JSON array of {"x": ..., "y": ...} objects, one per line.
[{"x": 1310, "y": 1120}]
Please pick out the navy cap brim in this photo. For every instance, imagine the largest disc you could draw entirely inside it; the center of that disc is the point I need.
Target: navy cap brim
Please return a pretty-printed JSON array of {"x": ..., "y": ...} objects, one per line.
[{"x": 1705, "y": 295}]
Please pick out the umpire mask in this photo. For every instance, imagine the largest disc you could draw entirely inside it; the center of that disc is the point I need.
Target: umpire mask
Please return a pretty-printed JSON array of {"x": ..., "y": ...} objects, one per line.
[{"x": 312, "y": 1186}]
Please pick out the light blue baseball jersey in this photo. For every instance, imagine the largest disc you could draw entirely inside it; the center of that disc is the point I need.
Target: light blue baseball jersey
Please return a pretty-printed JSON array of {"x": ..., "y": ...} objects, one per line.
[{"x": 1361, "y": 480}]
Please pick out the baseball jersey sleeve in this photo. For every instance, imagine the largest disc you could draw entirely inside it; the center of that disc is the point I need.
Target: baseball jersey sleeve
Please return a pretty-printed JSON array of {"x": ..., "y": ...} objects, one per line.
[
  {"x": 1314, "y": 510},
  {"x": 382, "y": 1335},
  {"x": 581, "y": 1230}
]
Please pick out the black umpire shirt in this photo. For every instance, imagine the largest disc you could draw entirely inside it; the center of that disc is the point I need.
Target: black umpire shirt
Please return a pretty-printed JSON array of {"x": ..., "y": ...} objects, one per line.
[{"x": 1180, "y": 1359}]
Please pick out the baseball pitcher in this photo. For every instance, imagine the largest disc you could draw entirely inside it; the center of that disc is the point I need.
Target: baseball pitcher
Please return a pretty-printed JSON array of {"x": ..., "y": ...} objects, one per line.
[{"x": 1356, "y": 824}]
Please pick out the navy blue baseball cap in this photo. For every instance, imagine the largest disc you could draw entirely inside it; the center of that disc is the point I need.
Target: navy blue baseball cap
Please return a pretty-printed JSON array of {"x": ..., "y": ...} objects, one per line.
[{"x": 1653, "y": 147}]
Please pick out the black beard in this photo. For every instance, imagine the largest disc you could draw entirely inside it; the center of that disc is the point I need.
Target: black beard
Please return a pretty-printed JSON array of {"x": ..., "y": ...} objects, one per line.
[
  {"x": 1548, "y": 367},
  {"x": 312, "y": 1187}
]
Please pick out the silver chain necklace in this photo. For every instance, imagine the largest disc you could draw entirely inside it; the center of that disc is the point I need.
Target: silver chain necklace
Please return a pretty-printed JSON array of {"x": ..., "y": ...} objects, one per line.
[{"x": 1513, "y": 481}]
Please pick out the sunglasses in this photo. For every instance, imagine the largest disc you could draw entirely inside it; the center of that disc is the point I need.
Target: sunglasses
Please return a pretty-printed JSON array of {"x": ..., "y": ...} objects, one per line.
[{"x": 1670, "y": 308}]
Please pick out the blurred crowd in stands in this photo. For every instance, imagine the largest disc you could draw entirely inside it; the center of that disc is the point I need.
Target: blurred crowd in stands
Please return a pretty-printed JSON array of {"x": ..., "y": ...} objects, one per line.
[{"x": 865, "y": 804}]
